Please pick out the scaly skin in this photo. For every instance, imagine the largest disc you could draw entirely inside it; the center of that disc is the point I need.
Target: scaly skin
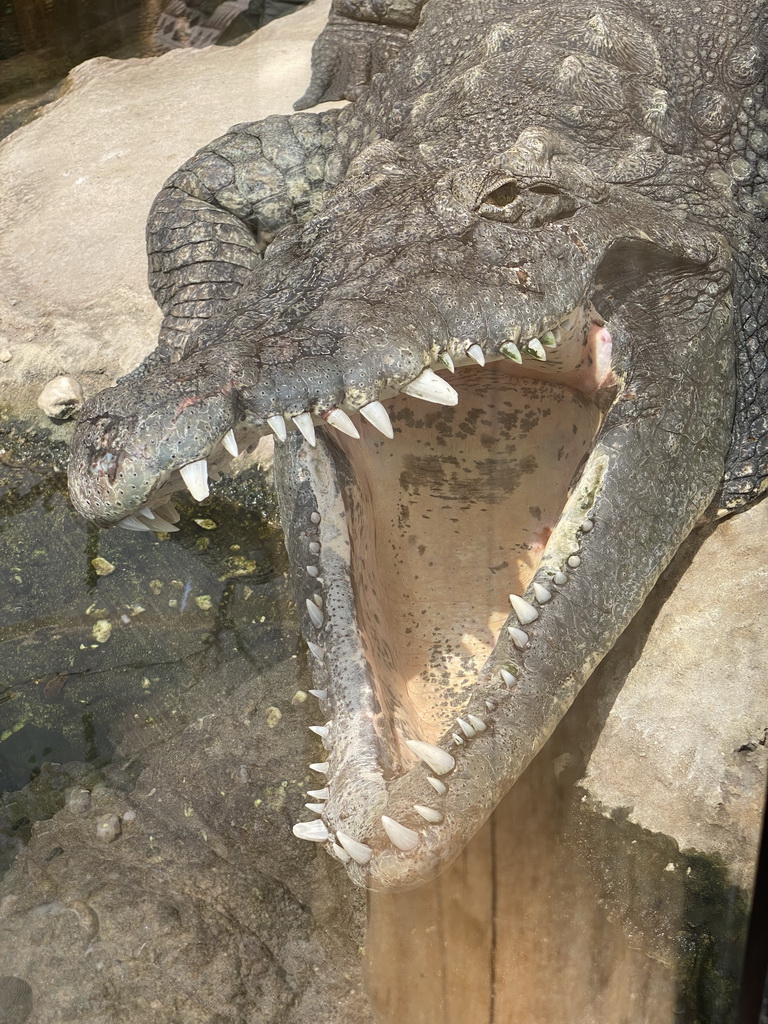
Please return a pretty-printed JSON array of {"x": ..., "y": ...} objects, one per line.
[{"x": 573, "y": 197}]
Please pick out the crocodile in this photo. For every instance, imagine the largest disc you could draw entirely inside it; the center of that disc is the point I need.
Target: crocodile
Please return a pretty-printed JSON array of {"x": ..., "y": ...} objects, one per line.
[{"x": 505, "y": 317}]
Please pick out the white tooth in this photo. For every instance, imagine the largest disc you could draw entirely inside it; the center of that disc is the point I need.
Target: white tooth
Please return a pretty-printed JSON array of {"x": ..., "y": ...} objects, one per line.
[
  {"x": 317, "y": 808},
  {"x": 378, "y": 417},
  {"x": 278, "y": 427},
  {"x": 549, "y": 339},
  {"x": 313, "y": 570},
  {"x": 341, "y": 853},
  {"x": 230, "y": 443},
  {"x": 431, "y": 388},
  {"x": 304, "y": 422},
  {"x": 509, "y": 679},
  {"x": 428, "y": 814},
  {"x": 315, "y": 615},
  {"x": 317, "y": 598},
  {"x": 476, "y": 353},
  {"x": 519, "y": 638},
  {"x": 320, "y": 730},
  {"x": 315, "y": 517},
  {"x": 438, "y": 786},
  {"x": 510, "y": 351},
  {"x": 536, "y": 349},
  {"x": 439, "y": 760},
  {"x": 147, "y": 512},
  {"x": 132, "y": 523},
  {"x": 317, "y": 651},
  {"x": 320, "y": 766},
  {"x": 319, "y": 794},
  {"x": 320, "y": 694},
  {"x": 359, "y": 852},
  {"x": 560, "y": 578},
  {"x": 445, "y": 359},
  {"x": 168, "y": 512},
  {"x": 541, "y": 593},
  {"x": 157, "y": 523},
  {"x": 314, "y": 831},
  {"x": 477, "y": 723},
  {"x": 339, "y": 419},
  {"x": 587, "y": 526},
  {"x": 525, "y": 612},
  {"x": 403, "y": 838},
  {"x": 466, "y": 728},
  {"x": 574, "y": 561},
  {"x": 314, "y": 547},
  {"x": 195, "y": 476},
  {"x": 458, "y": 740},
  {"x": 490, "y": 705}
]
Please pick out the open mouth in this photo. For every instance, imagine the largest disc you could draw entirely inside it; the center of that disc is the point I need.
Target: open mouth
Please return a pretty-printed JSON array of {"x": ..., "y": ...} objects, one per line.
[{"x": 425, "y": 551}]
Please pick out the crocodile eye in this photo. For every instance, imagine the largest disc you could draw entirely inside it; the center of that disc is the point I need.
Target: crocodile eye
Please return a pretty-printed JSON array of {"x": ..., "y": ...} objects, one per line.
[{"x": 502, "y": 196}]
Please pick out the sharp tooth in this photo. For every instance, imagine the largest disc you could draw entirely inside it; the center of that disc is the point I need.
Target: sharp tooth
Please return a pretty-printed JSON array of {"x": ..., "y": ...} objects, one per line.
[
  {"x": 320, "y": 766},
  {"x": 541, "y": 593},
  {"x": 431, "y": 388},
  {"x": 587, "y": 526},
  {"x": 439, "y": 760},
  {"x": 341, "y": 853},
  {"x": 466, "y": 728},
  {"x": 315, "y": 615},
  {"x": 525, "y": 612},
  {"x": 317, "y": 808},
  {"x": 428, "y": 814},
  {"x": 320, "y": 730},
  {"x": 378, "y": 417},
  {"x": 132, "y": 523},
  {"x": 168, "y": 512},
  {"x": 317, "y": 598},
  {"x": 147, "y": 512},
  {"x": 304, "y": 422},
  {"x": 445, "y": 359},
  {"x": 160, "y": 524},
  {"x": 477, "y": 723},
  {"x": 519, "y": 637},
  {"x": 339, "y": 419},
  {"x": 510, "y": 351},
  {"x": 314, "y": 547},
  {"x": 535, "y": 349},
  {"x": 476, "y": 353},
  {"x": 317, "y": 651},
  {"x": 315, "y": 517},
  {"x": 549, "y": 339},
  {"x": 509, "y": 679},
  {"x": 403, "y": 838},
  {"x": 560, "y": 578},
  {"x": 313, "y": 570},
  {"x": 319, "y": 794},
  {"x": 437, "y": 785},
  {"x": 458, "y": 740},
  {"x": 314, "y": 831},
  {"x": 514, "y": 333},
  {"x": 574, "y": 561},
  {"x": 359, "y": 852},
  {"x": 195, "y": 476},
  {"x": 278, "y": 427},
  {"x": 230, "y": 443},
  {"x": 320, "y": 694}
]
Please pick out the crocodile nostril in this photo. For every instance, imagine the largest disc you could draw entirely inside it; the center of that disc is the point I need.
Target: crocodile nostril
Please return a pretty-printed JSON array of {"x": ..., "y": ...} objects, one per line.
[{"x": 503, "y": 195}]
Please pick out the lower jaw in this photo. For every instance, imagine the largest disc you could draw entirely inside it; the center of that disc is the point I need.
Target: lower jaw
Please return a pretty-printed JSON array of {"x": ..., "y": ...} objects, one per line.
[{"x": 405, "y": 553}]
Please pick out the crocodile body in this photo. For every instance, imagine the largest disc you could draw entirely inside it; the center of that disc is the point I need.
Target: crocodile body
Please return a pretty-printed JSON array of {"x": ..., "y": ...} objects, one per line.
[{"x": 506, "y": 317}]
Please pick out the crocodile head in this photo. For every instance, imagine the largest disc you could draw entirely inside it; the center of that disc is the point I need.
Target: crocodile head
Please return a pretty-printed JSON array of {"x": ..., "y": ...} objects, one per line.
[{"x": 513, "y": 388}]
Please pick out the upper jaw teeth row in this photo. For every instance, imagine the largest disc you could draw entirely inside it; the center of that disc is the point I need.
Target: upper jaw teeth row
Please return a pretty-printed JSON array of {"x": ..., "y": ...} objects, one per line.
[
  {"x": 440, "y": 761},
  {"x": 426, "y": 386}
]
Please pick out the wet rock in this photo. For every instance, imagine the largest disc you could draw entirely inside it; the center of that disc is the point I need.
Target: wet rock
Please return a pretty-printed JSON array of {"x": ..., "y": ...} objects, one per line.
[{"x": 61, "y": 398}]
